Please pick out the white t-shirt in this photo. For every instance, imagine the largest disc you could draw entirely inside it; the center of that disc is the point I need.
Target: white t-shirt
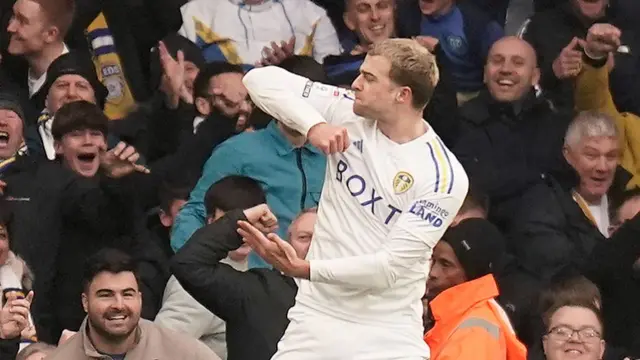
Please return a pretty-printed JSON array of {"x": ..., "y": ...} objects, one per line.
[
  {"x": 600, "y": 213},
  {"x": 250, "y": 28},
  {"x": 35, "y": 84},
  {"x": 384, "y": 206}
]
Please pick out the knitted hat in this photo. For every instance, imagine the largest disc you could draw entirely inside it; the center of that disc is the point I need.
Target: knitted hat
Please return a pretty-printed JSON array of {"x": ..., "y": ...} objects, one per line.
[
  {"x": 478, "y": 245},
  {"x": 76, "y": 63},
  {"x": 8, "y": 101}
]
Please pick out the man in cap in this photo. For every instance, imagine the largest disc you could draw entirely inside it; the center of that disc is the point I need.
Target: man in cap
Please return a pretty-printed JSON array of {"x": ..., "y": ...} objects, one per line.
[
  {"x": 11, "y": 125},
  {"x": 467, "y": 322},
  {"x": 71, "y": 77}
]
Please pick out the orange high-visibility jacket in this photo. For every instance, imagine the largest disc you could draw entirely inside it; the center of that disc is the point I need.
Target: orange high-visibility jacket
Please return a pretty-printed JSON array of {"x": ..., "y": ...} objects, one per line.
[{"x": 470, "y": 325}]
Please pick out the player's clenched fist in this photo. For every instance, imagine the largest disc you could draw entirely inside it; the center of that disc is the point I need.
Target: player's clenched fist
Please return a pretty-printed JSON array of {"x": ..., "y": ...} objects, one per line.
[
  {"x": 328, "y": 138},
  {"x": 602, "y": 39}
]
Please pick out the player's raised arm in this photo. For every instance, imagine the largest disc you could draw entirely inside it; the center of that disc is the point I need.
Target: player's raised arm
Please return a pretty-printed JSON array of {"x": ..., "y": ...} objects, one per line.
[
  {"x": 411, "y": 239},
  {"x": 295, "y": 100}
]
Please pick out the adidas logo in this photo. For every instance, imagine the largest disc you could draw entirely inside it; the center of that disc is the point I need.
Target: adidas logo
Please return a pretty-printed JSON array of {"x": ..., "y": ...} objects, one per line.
[{"x": 358, "y": 144}]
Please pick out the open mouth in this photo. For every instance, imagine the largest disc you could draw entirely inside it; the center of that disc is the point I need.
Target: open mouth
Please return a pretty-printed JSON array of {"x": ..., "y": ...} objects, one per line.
[
  {"x": 87, "y": 157},
  {"x": 118, "y": 319},
  {"x": 505, "y": 84},
  {"x": 377, "y": 29},
  {"x": 573, "y": 352},
  {"x": 4, "y": 138},
  {"x": 599, "y": 180}
]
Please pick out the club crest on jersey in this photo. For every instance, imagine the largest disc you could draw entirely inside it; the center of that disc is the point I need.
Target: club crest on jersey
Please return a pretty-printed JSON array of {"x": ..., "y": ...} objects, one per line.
[{"x": 402, "y": 182}]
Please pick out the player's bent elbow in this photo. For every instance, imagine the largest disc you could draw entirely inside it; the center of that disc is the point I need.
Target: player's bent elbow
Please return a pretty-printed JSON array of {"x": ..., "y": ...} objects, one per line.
[
  {"x": 387, "y": 280},
  {"x": 257, "y": 77}
]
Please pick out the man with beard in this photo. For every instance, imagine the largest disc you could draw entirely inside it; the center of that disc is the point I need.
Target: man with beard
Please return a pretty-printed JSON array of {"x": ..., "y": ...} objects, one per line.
[
  {"x": 509, "y": 137},
  {"x": 112, "y": 300},
  {"x": 278, "y": 157},
  {"x": 464, "y": 320}
]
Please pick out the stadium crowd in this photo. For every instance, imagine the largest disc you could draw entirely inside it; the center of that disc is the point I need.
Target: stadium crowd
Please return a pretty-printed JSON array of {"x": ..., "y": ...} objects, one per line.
[{"x": 130, "y": 149}]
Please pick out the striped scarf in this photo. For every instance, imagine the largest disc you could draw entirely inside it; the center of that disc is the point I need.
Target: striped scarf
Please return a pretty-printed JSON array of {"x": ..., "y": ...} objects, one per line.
[
  {"x": 6, "y": 164},
  {"x": 109, "y": 68}
]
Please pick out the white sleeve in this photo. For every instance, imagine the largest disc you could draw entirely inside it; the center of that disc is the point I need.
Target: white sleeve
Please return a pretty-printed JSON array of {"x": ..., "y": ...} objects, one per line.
[
  {"x": 297, "y": 101},
  {"x": 188, "y": 28},
  {"x": 325, "y": 40},
  {"x": 414, "y": 235}
]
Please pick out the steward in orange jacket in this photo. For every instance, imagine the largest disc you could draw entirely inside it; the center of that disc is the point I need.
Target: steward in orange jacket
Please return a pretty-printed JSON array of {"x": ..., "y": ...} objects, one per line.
[{"x": 468, "y": 322}]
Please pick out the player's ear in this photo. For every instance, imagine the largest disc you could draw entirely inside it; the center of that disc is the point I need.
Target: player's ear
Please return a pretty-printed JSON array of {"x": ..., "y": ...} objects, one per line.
[{"x": 403, "y": 95}]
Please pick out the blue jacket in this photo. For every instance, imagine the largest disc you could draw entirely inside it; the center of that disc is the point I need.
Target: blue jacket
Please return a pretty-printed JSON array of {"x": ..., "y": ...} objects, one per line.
[
  {"x": 466, "y": 34},
  {"x": 291, "y": 178}
]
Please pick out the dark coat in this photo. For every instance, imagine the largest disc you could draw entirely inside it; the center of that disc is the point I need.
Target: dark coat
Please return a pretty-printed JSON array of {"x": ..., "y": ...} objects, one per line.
[
  {"x": 505, "y": 151},
  {"x": 254, "y": 304},
  {"x": 59, "y": 220},
  {"x": 550, "y": 31},
  {"x": 552, "y": 237}
]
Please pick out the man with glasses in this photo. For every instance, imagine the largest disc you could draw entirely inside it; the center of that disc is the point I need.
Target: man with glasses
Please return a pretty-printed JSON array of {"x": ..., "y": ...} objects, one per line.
[
  {"x": 572, "y": 317},
  {"x": 290, "y": 171}
]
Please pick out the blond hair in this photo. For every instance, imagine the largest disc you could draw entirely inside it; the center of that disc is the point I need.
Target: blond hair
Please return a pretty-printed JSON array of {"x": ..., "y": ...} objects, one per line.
[{"x": 412, "y": 65}]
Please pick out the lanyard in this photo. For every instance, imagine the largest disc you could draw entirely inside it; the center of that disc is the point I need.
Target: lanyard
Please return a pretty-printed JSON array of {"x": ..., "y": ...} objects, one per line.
[{"x": 584, "y": 206}]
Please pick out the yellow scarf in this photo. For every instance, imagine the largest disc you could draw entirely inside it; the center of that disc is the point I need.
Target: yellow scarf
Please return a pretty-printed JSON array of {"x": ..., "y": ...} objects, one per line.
[
  {"x": 109, "y": 68},
  {"x": 5, "y": 164}
]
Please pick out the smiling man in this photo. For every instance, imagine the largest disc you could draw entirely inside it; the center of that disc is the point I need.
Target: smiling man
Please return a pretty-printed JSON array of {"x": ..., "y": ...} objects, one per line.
[
  {"x": 113, "y": 328},
  {"x": 566, "y": 216},
  {"x": 509, "y": 136},
  {"x": 71, "y": 77},
  {"x": 37, "y": 30}
]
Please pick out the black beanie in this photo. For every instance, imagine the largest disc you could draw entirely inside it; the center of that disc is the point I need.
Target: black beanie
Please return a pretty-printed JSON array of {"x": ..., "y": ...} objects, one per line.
[
  {"x": 9, "y": 101},
  {"x": 76, "y": 63},
  {"x": 478, "y": 245},
  {"x": 175, "y": 43}
]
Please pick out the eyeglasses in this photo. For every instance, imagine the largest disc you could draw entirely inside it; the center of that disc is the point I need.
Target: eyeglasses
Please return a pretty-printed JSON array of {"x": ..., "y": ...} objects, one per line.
[{"x": 564, "y": 333}]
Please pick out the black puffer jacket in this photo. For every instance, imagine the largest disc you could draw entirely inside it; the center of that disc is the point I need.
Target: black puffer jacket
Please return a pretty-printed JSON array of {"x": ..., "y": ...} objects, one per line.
[
  {"x": 553, "y": 238},
  {"x": 551, "y": 232},
  {"x": 507, "y": 148}
]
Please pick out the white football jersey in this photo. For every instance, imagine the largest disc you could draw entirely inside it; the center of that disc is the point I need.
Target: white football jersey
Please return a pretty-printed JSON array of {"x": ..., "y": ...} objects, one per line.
[{"x": 384, "y": 206}]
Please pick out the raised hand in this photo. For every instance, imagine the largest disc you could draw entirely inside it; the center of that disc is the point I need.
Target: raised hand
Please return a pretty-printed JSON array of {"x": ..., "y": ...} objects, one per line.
[
  {"x": 121, "y": 161},
  {"x": 569, "y": 62},
  {"x": 328, "y": 138},
  {"x": 173, "y": 75},
  {"x": 262, "y": 218},
  {"x": 602, "y": 39},
  {"x": 278, "y": 53},
  {"x": 428, "y": 42},
  {"x": 14, "y": 316},
  {"x": 274, "y": 250}
]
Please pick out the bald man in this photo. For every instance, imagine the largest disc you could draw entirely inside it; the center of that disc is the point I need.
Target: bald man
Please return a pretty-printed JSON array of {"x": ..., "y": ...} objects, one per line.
[{"x": 509, "y": 137}]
